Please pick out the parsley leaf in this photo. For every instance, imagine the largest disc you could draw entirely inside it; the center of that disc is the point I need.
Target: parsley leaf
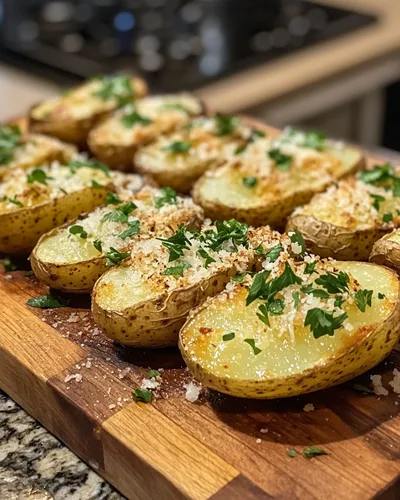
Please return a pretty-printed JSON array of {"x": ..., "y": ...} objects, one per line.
[
  {"x": 118, "y": 88},
  {"x": 75, "y": 165},
  {"x": 177, "y": 270},
  {"x": 362, "y": 388},
  {"x": 38, "y": 175},
  {"x": 95, "y": 184},
  {"x": 178, "y": 147},
  {"x": 297, "y": 239},
  {"x": 238, "y": 278},
  {"x": 377, "y": 200},
  {"x": 119, "y": 214},
  {"x": 379, "y": 174},
  {"x": 250, "y": 182},
  {"x": 283, "y": 162},
  {"x": 253, "y": 136},
  {"x": 292, "y": 453},
  {"x": 133, "y": 230},
  {"x": 153, "y": 374},
  {"x": 10, "y": 136},
  {"x": 8, "y": 264},
  {"x": 363, "y": 299},
  {"x": 167, "y": 197},
  {"x": 388, "y": 217},
  {"x": 228, "y": 230},
  {"x": 13, "y": 200},
  {"x": 98, "y": 245},
  {"x": 322, "y": 322},
  {"x": 276, "y": 307},
  {"x": 252, "y": 344},
  {"x": 263, "y": 314},
  {"x": 296, "y": 298},
  {"x": 78, "y": 230},
  {"x": 225, "y": 124},
  {"x": 206, "y": 256},
  {"x": 228, "y": 336},
  {"x": 112, "y": 199},
  {"x": 114, "y": 257},
  {"x": 381, "y": 296},
  {"x": 132, "y": 117},
  {"x": 334, "y": 282},
  {"x": 310, "y": 267},
  {"x": 257, "y": 287},
  {"x": 176, "y": 244},
  {"x": 143, "y": 395},
  {"x": 273, "y": 253},
  {"x": 313, "y": 451},
  {"x": 47, "y": 302},
  {"x": 314, "y": 140}
]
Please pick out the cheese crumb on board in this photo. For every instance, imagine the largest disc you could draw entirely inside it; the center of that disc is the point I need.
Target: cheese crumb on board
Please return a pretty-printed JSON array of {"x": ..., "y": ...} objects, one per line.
[
  {"x": 192, "y": 392},
  {"x": 377, "y": 385},
  {"x": 309, "y": 407}
]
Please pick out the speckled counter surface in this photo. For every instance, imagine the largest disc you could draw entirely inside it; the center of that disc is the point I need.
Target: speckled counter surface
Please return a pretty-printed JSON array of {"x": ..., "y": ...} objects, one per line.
[{"x": 34, "y": 465}]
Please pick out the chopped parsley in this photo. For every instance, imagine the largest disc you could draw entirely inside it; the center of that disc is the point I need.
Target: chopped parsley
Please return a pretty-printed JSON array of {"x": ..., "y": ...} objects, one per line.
[
  {"x": 208, "y": 259},
  {"x": 132, "y": 117},
  {"x": 323, "y": 322},
  {"x": 8, "y": 264},
  {"x": 178, "y": 147},
  {"x": 225, "y": 124},
  {"x": 253, "y": 136},
  {"x": 377, "y": 201},
  {"x": 338, "y": 301},
  {"x": 252, "y": 344},
  {"x": 363, "y": 299},
  {"x": 98, "y": 245},
  {"x": 334, "y": 282},
  {"x": 38, "y": 175},
  {"x": 313, "y": 451},
  {"x": 238, "y": 278},
  {"x": 119, "y": 214},
  {"x": 388, "y": 217},
  {"x": 153, "y": 374},
  {"x": 362, "y": 388},
  {"x": 118, "y": 88},
  {"x": 250, "y": 182},
  {"x": 228, "y": 336},
  {"x": 176, "y": 244},
  {"x": 381, "y": 296},
  {"x": 112, "y": 199},
  {"x": 13, "y": 200},
  {"x": 167, "y": 197},
  {"x": 132, "y": 230},
  {"x": 114, "y": 257},
  {"x": 296, "y": 298},
  {"x": 142, "y": 395},
  {"x": 292, "y": 453},
  {"x": 273, "y": 253},
  {"x": 10, "y": 136},
  {"x": 228, "y": 230},
  {"x": 283, "y": 162},
  {"x": 297, "y": 239},
  {"x": 75, "y": 165},
  {"x": 78, "y": 230},
  {"x": 177, "y": 270},
  {"x": 381, "y": 175},
  {"x": 95, "y": 185},
  {"x": 310, "y": 267},
  {"x": 47, "y": 302}
]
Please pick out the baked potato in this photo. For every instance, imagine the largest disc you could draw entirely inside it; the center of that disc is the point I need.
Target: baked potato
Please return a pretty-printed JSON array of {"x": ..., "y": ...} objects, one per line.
[
  {"x": 386, "y": 251},
  {"x": 35, "y": 201},
  {"x": 71, "y": 116},
  {"x": 180, "y": 158},
  {"x": 301, "y": 328},
  {"x": 266, "y": 178},
  {"x": 72, "y": 257},
  {"x": 18, "y": 150},
  {"x": 345, "y": 221},
  {"x": 116, "y": 139},
  {"x": 145, "y": 302}
]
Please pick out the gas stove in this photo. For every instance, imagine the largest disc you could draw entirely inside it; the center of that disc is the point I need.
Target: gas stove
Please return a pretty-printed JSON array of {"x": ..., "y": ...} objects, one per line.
[{"x": 174, "y": 44}]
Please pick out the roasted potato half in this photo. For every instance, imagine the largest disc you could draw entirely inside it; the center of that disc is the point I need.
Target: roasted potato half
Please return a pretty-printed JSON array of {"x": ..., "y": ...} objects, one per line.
[
  {"x": 180, "y": 158},
  {"x": 18, "y": 150},
  {"x": 267, "y": 177},
  {"x": 386, "y": 251},
  {"x": 72, "y": 257},
  {"x": 345, "y": 221},
  {"x": 116, "y": 139},
  {"x": 71, "y": 116},
  {"x": 145, "y": 302},
  {"x": 34, "y": 201},
  {"x": 293, "y": 332}
]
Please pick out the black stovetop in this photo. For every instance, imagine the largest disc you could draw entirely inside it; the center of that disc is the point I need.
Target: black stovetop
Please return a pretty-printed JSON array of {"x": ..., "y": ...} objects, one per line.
[{"x": 175, "y": 44}]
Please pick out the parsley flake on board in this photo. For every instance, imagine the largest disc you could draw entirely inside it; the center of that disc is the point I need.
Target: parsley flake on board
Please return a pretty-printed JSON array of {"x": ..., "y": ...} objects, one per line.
[
  {"x": 178, "y": 147},
  {"x": 228, "y": 336},
  {"x": 114, "y": 257},
  {"x": 313, "y": 451},
  {"x": 292, "y": 453},
  {"x": 131, "y": 117},
  {"x": 363, "y": 299},
  {"x": 78, "y": 230},
  {"x": 167, "y": 197},
  {"x": 112, "y": 199},
  {"x": 142, "y": 395},
  {"x": 75, "y": 165},
  {"x": 132, "y": 230},
  {"x": 8, "y": 264},
  {"x": 118, "y": 88},
  {"x": 119, "y": 214},
  {"x": 47, "y": 302},
  {"x": 362, "y": 388},
  {"x": 283, "y": 162},
  {"x": 252, "y": 344},
  {"x": 250, "y": 182},
  {"x": 176, "y": 243},
  {"x": 323, "y": 322},
  {"x": 153, "y": 374},
  {"x": 177, "y": 270},
  {"x": 98, "y": 245},
  {"x": 38, "y": 175},
  {"x": 225, "y": 124},
  {"x": 10, "y": 137}
]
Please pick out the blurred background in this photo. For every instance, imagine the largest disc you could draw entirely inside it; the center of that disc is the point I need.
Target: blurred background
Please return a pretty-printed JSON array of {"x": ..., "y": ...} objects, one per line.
[{"x": 332, "y": 65}]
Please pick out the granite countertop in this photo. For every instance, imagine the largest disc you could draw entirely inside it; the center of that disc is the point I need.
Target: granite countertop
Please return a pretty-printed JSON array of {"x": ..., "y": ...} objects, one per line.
[{"x": 34, "y": 465}]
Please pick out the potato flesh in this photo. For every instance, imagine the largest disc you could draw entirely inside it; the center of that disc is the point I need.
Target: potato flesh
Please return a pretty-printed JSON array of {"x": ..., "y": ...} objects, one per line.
[
  {"x": 280, "y": 357},
  {"x": 395, "y": 236},
  {"x": 120, "y": 288},
  {"x": 63, "y": 248}
]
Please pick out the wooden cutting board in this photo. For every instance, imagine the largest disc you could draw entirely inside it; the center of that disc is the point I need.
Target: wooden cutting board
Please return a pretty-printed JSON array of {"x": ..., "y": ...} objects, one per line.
[{"x": 58, "y": 366}]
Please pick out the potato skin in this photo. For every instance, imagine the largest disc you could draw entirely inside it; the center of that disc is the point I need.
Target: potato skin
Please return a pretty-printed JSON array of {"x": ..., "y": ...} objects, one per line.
[
  {"x": 386, "y": 253},
  {"x": 328, "y": 240},
  {"x": 156, "y": 322},
  {"x": 21, "y": 229},
  {"x": 368, "y": 350}
]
